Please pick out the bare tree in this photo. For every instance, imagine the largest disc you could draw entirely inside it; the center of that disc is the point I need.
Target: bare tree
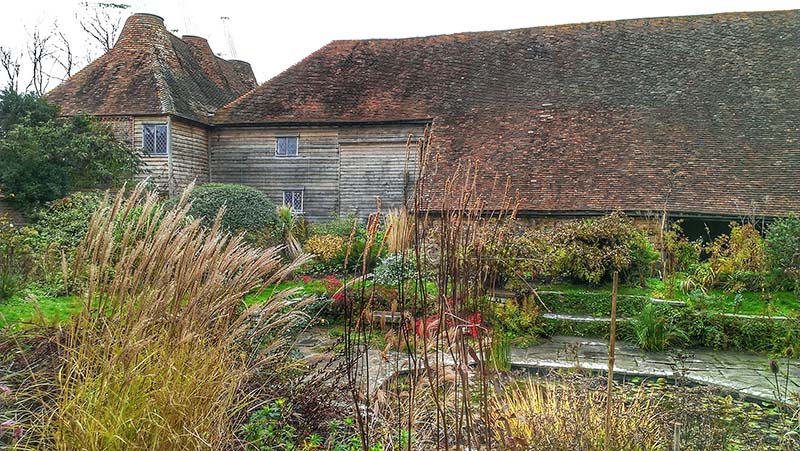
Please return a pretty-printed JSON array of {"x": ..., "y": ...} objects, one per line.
[
  {"x": 63, "y": 55},
  {"x": 10, "y": 61},
  {"x": 103, "y": 22},
  {"x": 39, "y": 55}
]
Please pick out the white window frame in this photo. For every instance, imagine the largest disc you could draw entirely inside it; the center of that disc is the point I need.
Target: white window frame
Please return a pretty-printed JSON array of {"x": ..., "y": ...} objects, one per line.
[
  {"x": 291, "y": 204},
  {"x": 156, "y": 126},
  {"x": 296, "y": 149}
]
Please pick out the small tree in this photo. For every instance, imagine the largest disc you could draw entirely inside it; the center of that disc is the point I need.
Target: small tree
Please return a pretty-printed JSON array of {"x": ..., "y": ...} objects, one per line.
[
  {"x": 17, "y": 108},
  {"x": 47, "y": 157},
  {"x": 783, "y": 252}
]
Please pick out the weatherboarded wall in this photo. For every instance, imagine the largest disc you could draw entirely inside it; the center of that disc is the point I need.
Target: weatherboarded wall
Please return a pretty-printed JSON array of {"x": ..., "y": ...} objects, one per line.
[
  {"x": 339, "y": 169},
  {"x": 375, "y": 163},
  {"x": 156, "y": 167},
  {"x": 189, "y": 153}
]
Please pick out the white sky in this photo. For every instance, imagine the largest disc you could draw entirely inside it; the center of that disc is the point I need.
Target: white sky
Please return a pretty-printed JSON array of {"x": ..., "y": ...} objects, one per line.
[{"x": 273, "y": 35}]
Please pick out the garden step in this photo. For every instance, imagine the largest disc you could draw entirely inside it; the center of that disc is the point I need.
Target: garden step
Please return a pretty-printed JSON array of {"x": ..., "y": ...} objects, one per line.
[
  {"x": 668, "y": 302},
  {"x": 578, "y": 318},
  {"x": 503, "y": 294},
  {"x": 737, "y": 315}
]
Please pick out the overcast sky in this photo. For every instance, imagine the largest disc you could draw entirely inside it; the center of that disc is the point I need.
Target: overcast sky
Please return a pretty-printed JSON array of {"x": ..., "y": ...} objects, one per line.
[{"x": 273, "y": 35}]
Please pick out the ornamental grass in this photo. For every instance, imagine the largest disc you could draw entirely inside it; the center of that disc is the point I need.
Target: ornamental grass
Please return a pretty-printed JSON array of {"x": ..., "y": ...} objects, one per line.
[{"x": 164, "y": 354}]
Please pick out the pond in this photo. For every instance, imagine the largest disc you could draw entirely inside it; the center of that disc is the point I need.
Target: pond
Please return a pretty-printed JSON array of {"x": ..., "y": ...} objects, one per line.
[{"x": 566, "y": 410}]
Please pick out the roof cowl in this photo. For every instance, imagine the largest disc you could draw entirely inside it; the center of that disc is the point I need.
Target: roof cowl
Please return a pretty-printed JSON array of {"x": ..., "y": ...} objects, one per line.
[{"x": 142, "y": 31}]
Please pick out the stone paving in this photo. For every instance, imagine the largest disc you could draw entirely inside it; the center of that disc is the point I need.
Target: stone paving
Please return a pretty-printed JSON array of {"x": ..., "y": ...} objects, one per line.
[{"x": 748, "y": 374}]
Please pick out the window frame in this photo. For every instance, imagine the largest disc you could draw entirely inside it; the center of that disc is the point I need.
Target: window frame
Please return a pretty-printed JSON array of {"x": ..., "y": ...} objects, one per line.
[
  {"x": 156, "y": 126},
  {"x": 296, "y": 149},
  {"x": 294, "y": 191}
]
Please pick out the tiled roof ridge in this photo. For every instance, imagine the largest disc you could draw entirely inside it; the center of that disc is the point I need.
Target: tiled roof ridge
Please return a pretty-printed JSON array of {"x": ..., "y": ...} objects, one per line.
[{"x": 591, "y": 23}]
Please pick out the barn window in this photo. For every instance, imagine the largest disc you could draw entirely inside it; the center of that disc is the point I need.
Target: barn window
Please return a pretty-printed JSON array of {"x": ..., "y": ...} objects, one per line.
[
  {"x": 286, "y": 146},
  {"x": 154, "y": 139},
  {"x": 294, "y": 200}
]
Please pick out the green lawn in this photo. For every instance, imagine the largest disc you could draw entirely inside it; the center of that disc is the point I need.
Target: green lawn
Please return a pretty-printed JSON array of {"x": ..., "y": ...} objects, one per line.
[
  {"x": 314, "y": 287},
  {"x": 747, "y": 303},
  {"x": 19, "y": 310}
]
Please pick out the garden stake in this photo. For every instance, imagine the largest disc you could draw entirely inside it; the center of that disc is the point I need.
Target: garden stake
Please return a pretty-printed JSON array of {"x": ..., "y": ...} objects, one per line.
[{"x": 611, "y": 358}]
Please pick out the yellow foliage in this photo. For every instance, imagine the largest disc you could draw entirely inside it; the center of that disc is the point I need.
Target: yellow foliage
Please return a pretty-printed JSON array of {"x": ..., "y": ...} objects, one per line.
[{"x": 325, "y": 247}]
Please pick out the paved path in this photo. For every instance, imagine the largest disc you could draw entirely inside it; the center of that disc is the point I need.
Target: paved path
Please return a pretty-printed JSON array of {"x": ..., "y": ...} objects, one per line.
[
  {"x": 745, "y": 373},
  {"x": 748, "y": 374}
]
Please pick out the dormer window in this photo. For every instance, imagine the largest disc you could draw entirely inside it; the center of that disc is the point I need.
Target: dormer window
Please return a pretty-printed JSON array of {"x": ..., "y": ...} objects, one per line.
[
  {"x": 154, "y": 139},
  {"x": 286, "y": 146}
]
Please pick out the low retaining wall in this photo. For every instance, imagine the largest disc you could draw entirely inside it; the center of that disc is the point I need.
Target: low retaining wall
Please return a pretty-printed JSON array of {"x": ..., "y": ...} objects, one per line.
[{"x": 12, "y": 214}]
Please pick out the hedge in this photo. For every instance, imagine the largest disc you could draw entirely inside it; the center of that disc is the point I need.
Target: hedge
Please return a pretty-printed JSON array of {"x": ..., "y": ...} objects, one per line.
[
  {"x": 591, "y": 303},
  {"x": 703, "y": 329}
]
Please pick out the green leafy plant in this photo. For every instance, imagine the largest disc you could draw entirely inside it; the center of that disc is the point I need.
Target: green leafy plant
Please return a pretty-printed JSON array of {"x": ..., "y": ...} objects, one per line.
[
  {"x": 16, "y": 257},
  {"x": 45, "y": 156},
  {"x": 518, "y": 318},
  {"x": 738, "y": 261},
  {"x": 268, "y": 428},
  {"x": 290, "y": 229},
  {"x": 590, "y": 250},
  {"x": 395, "y": 270},
  {"x": 64, "y": 222},
  {"x": 653, "y": 330},
  {"x": 336, "y": 226},
  {"x": 782, "y": 243}
]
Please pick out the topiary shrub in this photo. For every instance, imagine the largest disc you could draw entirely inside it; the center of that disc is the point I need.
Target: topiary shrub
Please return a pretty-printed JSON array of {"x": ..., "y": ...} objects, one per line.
[
  {"x": 247, "y": 210},
  {"x": 782, "y": 246}
]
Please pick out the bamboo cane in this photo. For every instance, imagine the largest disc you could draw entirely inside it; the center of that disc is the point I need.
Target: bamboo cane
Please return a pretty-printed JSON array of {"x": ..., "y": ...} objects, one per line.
[{"x": 611, "y": 359}]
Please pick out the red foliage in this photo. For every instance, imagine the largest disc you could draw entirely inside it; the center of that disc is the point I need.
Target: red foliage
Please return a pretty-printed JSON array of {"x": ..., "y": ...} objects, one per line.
[{"x": 428, "y": 325}]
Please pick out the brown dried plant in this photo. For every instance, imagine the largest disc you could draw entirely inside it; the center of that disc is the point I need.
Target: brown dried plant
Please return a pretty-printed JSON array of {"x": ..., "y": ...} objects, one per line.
[
  {"x": 449, "y": 232},
  {"x": 164, "y": 353}
]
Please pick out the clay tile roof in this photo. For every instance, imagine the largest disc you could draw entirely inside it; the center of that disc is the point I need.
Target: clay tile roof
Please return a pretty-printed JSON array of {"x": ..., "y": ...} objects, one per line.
[
  {"x": 700, "y": 113},
  {"x": 151, "y": 71}
]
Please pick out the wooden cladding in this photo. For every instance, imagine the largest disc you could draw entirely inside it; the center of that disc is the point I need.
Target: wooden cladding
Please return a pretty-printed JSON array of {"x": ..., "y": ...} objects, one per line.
[
  {"x": 339, "y": 169},
  {"x": 189, "y": 153}
]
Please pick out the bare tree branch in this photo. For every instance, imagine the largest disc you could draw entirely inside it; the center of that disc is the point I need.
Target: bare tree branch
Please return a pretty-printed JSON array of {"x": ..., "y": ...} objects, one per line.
[
  {"x": 63, "y": 55},
  {"x": 39, "y": 53},
  {"x": 103, "y": 22},
  {"x": 9, "y": 60}
]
